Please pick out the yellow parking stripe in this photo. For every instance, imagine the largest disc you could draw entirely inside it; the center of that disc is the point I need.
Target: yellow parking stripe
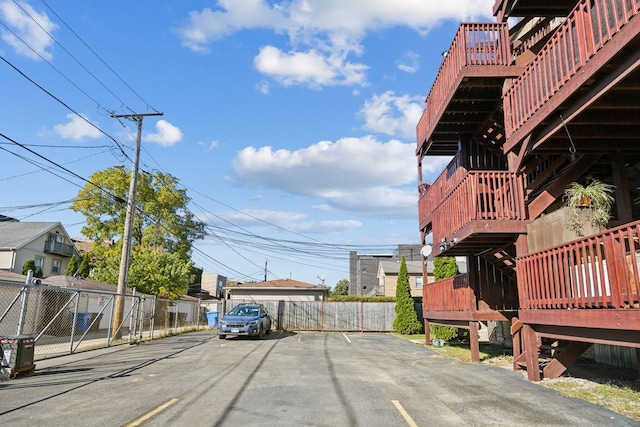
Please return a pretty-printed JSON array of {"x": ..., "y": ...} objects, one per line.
[
  {"x": 404, "y": 414},
  {"x": 148, "y": 415}
]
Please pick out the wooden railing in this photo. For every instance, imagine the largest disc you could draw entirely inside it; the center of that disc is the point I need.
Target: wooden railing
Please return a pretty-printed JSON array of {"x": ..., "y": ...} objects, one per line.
[
  {"x": 480, "y": 196},
  {"x": 441, "y": 187},
  {"x": 453, "y": 294},
  {"x": 598, "y": 271},
  {"x": 479, "y": 44},
  {"x": 588, "y": 27}
]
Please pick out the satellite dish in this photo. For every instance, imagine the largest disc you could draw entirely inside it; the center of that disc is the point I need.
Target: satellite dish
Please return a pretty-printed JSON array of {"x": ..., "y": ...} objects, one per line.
[
  {"x": 322, "y": 276},
  {"x": 426, "y": 250}
]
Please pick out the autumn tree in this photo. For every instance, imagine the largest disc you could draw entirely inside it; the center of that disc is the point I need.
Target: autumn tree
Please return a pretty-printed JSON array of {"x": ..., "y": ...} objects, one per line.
[{"x": 406, "y": 321}]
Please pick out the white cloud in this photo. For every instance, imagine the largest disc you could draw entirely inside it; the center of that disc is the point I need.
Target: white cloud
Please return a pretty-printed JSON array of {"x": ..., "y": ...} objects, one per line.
[
  {"x": 166, "y": 134},
  {"x": 28, "y": 35},
  {"x": 409, "y": 62},
  {"x": 293, "y": 221},
  {"x": 323, "y": 34},
  {"x": 311, "y": 67},
  {"x": 353, "y": 174},
  {"x": 77, "y": 128},
  {"x": 392, "y": 115}
]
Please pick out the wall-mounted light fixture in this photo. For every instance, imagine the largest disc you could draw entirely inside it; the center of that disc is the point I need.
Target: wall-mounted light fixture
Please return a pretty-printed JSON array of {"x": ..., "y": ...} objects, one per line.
[{"x": 446, "y": 243}]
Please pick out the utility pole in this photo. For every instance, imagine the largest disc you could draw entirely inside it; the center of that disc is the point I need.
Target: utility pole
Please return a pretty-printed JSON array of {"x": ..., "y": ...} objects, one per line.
[
  {"x": 128, "y": 225},
  {"x": 265, "y": 270}
]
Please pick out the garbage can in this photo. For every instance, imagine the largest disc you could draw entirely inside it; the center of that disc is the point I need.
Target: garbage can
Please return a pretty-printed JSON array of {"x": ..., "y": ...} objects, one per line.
[
  {"x": 83, "y": 320},
  {"x": 18, "y": 352},
  {"x": 212, "y": 319}
]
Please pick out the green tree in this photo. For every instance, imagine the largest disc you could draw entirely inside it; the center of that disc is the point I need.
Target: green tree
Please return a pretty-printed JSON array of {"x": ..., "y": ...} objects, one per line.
[
  {"x": 341, "y": 288},
  {"x": 84, "y": 266},
  {"x": 29, "y": 265},
  {"x": 160, "y": 273},
  {"x": 151, "y": 270},
  {"x": 444, "y": 267},
  {"x": 162, "y": 219},
  {"x": 406, "y": 321},
  {"x": 72, "y": 267},
  {"x": 162, "y": 235}
]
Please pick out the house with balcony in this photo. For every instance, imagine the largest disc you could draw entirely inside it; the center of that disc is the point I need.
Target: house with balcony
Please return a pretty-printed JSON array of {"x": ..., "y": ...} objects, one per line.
[
  {"x": 47, "y": 243},
  {"x": 545, "y": 96}
]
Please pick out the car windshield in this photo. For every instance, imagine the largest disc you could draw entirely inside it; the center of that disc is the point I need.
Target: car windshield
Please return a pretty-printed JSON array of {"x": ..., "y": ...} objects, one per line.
[{"x": 244, "y": 311}]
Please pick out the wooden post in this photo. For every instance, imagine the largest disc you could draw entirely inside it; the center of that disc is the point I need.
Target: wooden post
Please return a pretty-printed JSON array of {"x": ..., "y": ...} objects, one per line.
[
  {"x": 475, "y": 344},
  {"x": 532, "y": 353},
  {"x": 427, "y": 334}
]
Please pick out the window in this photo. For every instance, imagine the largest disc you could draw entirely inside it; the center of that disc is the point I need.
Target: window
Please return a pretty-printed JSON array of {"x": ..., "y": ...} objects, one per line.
[
  {"x": 55, "y": 267},
  {"x": 419, "y": 282},
  {"x": 39, "y": 263}
]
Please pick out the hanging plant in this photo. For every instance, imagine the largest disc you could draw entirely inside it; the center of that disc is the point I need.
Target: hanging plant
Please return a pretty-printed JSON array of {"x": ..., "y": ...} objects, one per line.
[{"x": 597, "y": 196}]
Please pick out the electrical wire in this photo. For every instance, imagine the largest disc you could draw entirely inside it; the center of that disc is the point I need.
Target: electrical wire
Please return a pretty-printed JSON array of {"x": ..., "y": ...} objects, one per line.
[
  {"x": 99, "y": 58},
  {"x": 64, "y": 104}
]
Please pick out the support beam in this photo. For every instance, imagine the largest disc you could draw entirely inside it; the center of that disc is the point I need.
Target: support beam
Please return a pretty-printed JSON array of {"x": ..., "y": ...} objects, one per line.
[
  {"x": 473, "y": 341},
  {"x": 427, "y": 332},
  {"x": 532, "y": 353},
  {"x": 561, "y": 363}
]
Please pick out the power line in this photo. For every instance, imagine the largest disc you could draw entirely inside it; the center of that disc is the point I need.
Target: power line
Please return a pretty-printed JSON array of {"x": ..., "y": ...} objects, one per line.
[
  {"x": 102, "y": 189},
  {"x": 63, "y": 104},
  {"x": 99, "y": 58}
]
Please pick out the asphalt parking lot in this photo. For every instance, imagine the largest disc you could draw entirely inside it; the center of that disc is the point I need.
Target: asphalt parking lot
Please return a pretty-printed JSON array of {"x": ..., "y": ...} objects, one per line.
[{"x": 286, "y": 379}]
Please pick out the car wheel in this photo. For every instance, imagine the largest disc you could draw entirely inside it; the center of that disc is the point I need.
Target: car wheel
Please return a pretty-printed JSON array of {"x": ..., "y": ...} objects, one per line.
[
  {"x": 222, "y": 336},
  {"x": 260, "y": 333},
  {"x": 268, "y": 332}
]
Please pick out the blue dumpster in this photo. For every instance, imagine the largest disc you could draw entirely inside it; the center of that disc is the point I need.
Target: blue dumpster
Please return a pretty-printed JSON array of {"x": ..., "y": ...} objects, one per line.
[
  {"x": 212, "y": 318},
  {"x": 83, "y": 321}
]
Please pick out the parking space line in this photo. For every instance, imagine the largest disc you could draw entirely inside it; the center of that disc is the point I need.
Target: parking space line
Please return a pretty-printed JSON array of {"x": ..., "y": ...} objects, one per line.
[
  {"x": 346, "y": 337},
  {"x": 150, "y": 414},
  {"x": 404, "y": 414}
]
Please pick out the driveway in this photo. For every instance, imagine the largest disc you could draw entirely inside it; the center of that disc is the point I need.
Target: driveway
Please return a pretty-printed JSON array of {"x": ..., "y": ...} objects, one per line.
[{"x": 286, "y": 379}]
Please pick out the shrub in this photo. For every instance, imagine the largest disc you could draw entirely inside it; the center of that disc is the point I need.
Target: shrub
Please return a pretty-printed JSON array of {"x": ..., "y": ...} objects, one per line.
[
  {"x": 406, "y": 321},
  {"x": 29, "y": 265}
]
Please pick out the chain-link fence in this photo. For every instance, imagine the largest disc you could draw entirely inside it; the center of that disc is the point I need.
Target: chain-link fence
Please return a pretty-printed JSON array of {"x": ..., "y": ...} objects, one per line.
[{"x": 64, "y": 321}]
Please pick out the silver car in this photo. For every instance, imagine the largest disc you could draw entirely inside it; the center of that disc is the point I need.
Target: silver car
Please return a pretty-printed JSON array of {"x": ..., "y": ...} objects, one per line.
[{"x": 245, "y": 319}]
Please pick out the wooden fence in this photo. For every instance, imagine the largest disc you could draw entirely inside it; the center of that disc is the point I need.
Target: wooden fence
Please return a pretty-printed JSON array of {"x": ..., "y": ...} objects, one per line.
[{"x": 330, "y": 316}]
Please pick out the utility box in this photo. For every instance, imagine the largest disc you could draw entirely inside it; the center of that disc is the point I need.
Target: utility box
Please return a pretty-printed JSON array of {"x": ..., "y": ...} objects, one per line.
[{"x": 18, "y": 352}]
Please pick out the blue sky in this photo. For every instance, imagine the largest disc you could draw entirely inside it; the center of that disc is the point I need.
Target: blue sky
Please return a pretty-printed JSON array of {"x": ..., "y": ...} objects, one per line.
[{"x": 291, "y": 124}]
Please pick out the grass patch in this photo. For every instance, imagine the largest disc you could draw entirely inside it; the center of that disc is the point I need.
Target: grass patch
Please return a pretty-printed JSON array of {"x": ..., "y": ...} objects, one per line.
[{"x": 624, "y": 399}]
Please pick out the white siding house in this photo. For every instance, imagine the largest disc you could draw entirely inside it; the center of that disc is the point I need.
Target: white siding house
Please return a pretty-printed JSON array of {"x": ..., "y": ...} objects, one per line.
[{"x": 47, "y": 243}]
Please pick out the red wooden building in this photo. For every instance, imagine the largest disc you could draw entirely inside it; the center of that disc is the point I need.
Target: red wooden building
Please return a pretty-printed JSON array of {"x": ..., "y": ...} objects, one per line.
[{"x": 526, "y": 109}]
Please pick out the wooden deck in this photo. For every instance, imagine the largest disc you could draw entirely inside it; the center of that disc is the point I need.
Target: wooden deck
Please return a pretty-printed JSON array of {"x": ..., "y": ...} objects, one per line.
[
  {"x": 481, "y": 205},
  {"x": 601, "y": 271},
  {"x": 471, "y": 73},
  {"x": 593, "y": 33}
]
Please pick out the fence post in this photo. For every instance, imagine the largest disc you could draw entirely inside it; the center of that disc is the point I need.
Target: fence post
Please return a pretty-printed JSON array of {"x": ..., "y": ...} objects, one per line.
[
  {"x": 74, "y": 321},
  {"x": 175, "y": 318},
  {"x": 141, "y": 323},
  {"x": 135, "y": 306},
  {"x": 23, "y": 307},
  {"x": 153, "y": 317},
  {"x": 198, "y": 309},
  {"x": 110, "y": 329}
]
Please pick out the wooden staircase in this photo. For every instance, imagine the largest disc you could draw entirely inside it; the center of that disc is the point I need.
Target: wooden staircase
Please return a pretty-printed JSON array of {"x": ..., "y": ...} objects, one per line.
[{"x": 552, "y": 357}]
